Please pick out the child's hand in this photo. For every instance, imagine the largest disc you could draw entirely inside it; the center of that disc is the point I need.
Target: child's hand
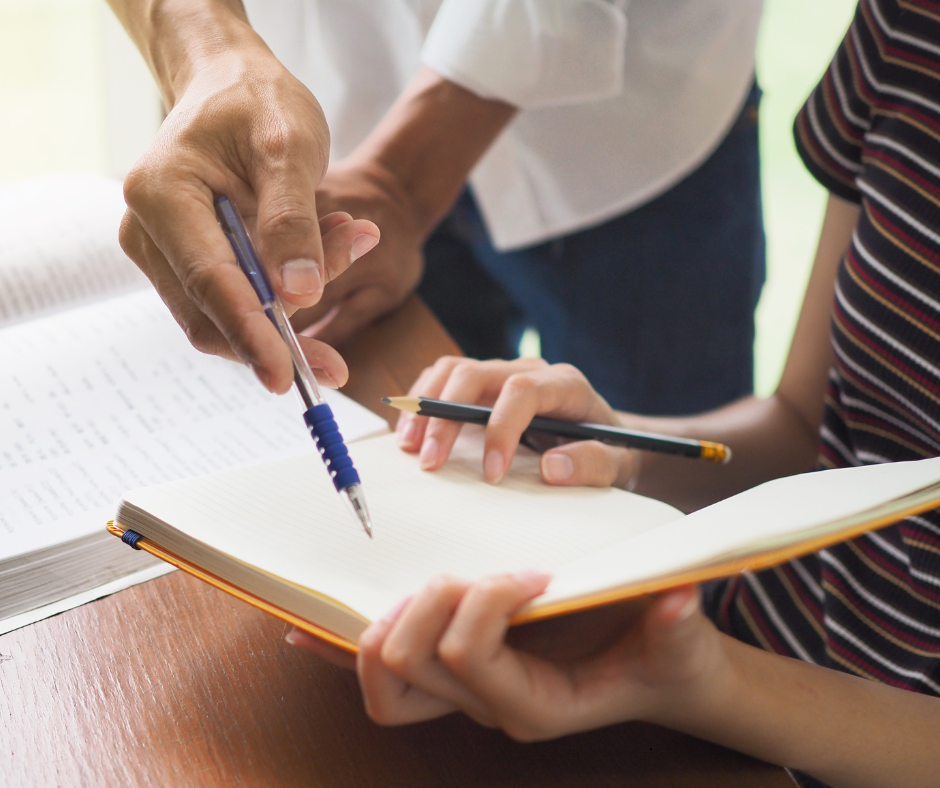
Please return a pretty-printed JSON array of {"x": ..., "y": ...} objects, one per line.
[
  {"x": 446, "y": 650},
  {"x": 518, "y": 391}
]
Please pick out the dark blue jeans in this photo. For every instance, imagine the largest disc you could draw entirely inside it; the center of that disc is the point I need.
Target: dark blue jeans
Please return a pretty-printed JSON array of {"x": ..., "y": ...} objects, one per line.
[{"x": 655, "y": 306}]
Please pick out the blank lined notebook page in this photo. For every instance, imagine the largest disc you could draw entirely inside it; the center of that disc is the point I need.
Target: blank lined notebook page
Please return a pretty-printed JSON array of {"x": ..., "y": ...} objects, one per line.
[
  {"x": 777, "y": 513},
  {"x": 286, "y": 519}
]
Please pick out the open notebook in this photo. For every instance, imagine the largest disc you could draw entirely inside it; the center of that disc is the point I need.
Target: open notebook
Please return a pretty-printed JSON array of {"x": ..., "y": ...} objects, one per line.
[
  {"x": 276, "y": 534},
  {"x": 100, "y": 391}
]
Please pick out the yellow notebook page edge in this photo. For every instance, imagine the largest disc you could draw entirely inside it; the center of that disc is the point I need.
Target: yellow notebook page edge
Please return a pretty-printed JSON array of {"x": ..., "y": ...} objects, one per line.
[{"x": 751, "y": 563}]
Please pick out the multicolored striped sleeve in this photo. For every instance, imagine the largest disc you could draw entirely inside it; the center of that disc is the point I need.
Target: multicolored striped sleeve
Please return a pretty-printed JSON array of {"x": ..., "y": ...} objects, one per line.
[{"x": 831, "y": 126}]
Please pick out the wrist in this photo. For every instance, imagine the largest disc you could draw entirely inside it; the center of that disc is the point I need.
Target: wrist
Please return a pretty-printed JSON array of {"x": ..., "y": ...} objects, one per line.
[
  {"x": 430, "y": 140},
  {"x": 370, "y": 182},
  {"x": 698, "y": 700},
  {"x": 180, "y": 38}
]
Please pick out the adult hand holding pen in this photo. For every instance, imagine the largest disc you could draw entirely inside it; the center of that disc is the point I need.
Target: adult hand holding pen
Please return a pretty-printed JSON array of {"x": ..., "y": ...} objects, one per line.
[{"x": 240, "y": 125}]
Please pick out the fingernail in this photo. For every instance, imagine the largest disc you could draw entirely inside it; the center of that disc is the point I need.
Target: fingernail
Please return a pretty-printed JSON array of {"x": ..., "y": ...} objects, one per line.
[
  {"x": 301, "y": 277},
  {"x": 360, "y": 245},
  {"x": 395, "y": 612},
  {"x": 409, "y": 435},
  {"x": 557, "y": 467},
  {"x": 324, "y": 378},
  {"x": 493, "y": 466},
  {"x": 291, "y": 637},
  {"x": 688, "y": 608},
  {"x": 429, "y": 451},
  {"x": 533, "y": 577}
]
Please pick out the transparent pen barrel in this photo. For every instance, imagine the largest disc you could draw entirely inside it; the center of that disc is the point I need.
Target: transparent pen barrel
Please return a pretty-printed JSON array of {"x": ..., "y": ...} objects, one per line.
[{"x": 303, "y": 375}]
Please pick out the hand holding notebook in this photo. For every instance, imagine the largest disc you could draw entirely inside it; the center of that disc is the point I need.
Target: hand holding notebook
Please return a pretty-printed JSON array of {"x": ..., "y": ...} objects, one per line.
[{"x": 277, "y": 536}]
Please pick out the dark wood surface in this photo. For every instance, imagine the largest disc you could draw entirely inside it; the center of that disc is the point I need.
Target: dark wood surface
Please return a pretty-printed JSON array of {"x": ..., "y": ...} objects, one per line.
[{"x": 173, "y": 683}]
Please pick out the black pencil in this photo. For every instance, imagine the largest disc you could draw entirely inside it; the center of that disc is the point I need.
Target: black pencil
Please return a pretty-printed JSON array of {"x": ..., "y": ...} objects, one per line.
[{"x": 647, "y": 441}]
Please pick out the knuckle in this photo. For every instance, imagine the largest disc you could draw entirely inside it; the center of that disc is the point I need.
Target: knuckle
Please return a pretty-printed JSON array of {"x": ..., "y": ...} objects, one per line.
[
  {"x": 287, "y": 219},
  {"x": 602, "y": 469},
  {"x": 399, "y": 661},
  {"x": 379, "y": 713},
  {"x": 282, "y": 142},
  {"x": 370, "y": 646},
  {"x": 454, "y": 654},
  {"x": 137, "y": 186},
  {"x": 447, "y": 363},
  {"x": 464, "y": 370},
  {"x": 201, "y": 334},
  {"x": 129, "y": 235},
  {"x": 568, "y": 370},
  {"x": 198, "y": 283},
  {"x": 522, "y": 383}
]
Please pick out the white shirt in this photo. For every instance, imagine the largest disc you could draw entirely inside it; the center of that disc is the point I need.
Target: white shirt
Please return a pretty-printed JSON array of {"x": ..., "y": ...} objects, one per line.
[{"x": 619, "y": 99}]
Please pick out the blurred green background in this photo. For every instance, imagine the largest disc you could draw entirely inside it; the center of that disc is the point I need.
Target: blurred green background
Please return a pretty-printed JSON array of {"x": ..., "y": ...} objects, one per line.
[
  {"x": 74, "y": 97},
  {"x": 797, "y": 41}
]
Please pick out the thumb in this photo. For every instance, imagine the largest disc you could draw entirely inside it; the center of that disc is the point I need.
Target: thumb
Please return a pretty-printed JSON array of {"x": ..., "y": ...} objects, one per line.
[
  {"x": 673, "y": 626},
  {"x": 287, "y": 234},
  {"x": 588, "y": 464}
]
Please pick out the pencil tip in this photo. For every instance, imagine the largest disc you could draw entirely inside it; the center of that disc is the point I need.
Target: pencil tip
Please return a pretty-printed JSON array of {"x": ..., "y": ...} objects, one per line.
[{"x": 387, "y": 400}]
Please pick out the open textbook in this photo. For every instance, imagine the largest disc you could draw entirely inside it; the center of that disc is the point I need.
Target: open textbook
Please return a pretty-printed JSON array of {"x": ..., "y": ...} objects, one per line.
[
  {"x": 277, "y": 536},
  {"x": 100, "y": 391}
]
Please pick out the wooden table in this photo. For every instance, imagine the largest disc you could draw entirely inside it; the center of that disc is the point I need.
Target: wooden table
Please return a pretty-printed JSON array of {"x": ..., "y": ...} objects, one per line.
[{"x": 173, "y": 683}]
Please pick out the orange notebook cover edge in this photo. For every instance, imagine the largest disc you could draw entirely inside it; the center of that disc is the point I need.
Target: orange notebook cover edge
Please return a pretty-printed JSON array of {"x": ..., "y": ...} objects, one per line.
[{"x": 324, "y": 634}]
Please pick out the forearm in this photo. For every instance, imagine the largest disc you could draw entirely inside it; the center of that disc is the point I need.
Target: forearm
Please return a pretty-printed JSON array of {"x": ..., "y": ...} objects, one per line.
[
  {"x": 429, "y": 141},
  {"x": 175, "y": 35},
  {"x": 843, "y": 730},
  {"x": 767, "y": 437}
]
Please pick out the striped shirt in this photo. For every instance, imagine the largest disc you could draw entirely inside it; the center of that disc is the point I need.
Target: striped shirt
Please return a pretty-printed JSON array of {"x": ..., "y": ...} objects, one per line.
[{"x": 870, "y": 133}]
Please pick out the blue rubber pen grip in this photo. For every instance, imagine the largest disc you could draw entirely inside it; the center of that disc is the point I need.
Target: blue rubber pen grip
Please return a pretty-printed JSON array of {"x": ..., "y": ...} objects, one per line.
[{"x": 326, "y": 435}]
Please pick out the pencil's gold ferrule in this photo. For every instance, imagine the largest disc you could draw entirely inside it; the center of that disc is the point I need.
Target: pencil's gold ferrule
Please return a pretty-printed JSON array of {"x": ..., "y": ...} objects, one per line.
[
  {"x": 411, "y": 404},
  {"x": 715, "y": 452}
]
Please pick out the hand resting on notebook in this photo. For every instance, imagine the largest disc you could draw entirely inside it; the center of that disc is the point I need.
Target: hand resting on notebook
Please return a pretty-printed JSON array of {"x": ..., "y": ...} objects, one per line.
[{"x": 518, "y": 390}]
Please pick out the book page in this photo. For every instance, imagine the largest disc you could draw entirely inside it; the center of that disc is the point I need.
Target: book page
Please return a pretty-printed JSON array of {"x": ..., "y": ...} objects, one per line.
[
  {"x": 110, "y": 396},
  {"x": 777, "y": 513},
  {"x": 286, "y": 519},
  {"x": 60, "y": 245}
]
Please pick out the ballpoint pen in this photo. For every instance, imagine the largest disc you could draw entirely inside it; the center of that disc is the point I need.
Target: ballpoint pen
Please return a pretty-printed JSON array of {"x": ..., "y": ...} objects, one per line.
[{"x": 317, "y": 415}]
